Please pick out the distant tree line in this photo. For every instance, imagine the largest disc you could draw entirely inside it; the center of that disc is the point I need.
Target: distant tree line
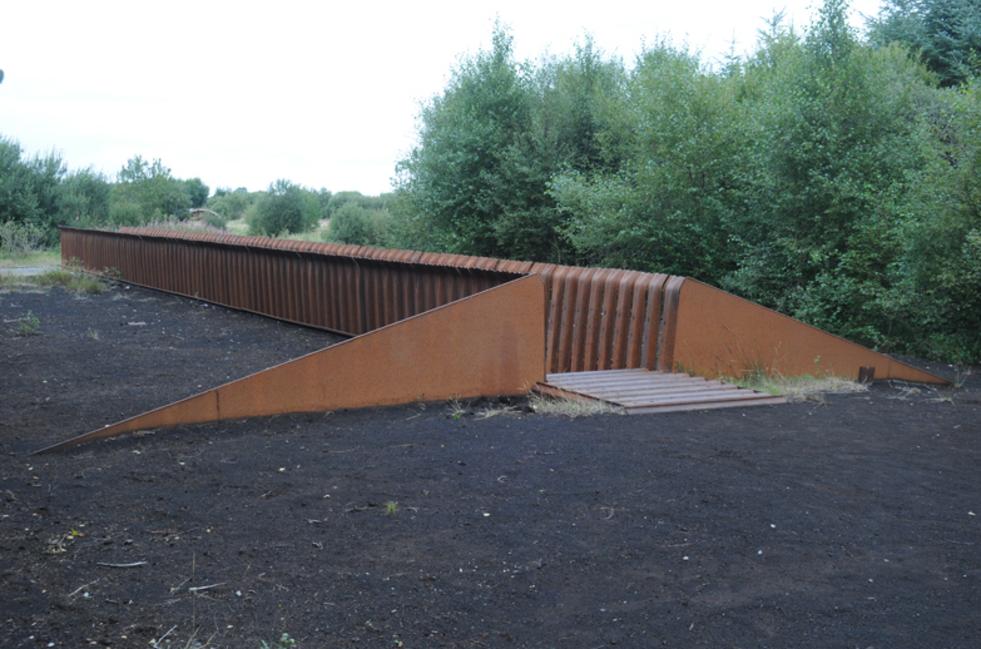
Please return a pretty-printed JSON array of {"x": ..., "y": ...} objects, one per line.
[
  {"x": 39, "y": 193},
  {"x": 832, "y": 177}
]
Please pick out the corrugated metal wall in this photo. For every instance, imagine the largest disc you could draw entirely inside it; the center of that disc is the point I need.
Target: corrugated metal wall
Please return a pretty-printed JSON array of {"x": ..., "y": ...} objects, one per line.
[{"x": 596, "y": 318}]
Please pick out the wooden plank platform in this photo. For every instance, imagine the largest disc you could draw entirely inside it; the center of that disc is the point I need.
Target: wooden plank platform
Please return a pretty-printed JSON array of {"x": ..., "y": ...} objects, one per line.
[{"x": 642, "y": 391}]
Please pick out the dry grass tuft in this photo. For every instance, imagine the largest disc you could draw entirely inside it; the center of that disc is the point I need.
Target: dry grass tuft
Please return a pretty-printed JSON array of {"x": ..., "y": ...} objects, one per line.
[
  {"x": 494, "y": 411},
  {"x": 572, "y": 408},
  {"x": 67, "y": 278},
  {"x": 800, "y": 388}
]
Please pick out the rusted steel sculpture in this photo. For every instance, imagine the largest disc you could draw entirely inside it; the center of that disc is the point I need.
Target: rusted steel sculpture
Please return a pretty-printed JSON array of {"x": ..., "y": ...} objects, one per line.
[
  {"x": 596, "y": 318},
  {"x": 591, "y": 318}
]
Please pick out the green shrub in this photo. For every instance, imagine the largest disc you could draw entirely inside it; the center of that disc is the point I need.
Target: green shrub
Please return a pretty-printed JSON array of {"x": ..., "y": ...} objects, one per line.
[
  {"x": 285, "y": 209},
  {"x": 20, "y": 238},
  {"x": 355, "y": 224}
]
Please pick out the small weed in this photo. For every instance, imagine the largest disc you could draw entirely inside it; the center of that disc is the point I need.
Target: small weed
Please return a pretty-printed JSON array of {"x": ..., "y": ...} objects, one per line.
[
  {"x": 59, "y": 544},
  {"x": 93, "y": 334},
  {"x": 284, "y": 642},
  {"x": 961, "y": 375},
  {"x": 456, "y": 409},
  {"x": 391, "y": 508},
  {"x": 30, "y": 325},
  {"x": 494, "y": 411}
]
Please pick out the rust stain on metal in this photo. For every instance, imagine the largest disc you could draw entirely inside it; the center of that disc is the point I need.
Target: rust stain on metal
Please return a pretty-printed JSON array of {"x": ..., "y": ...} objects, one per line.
[{"x": 489, "y": 343}]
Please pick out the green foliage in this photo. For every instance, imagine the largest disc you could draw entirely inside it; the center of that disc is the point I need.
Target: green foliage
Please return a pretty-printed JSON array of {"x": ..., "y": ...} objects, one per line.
[
  {"x": 833, "y": 179},
  {"x": 29, "y": 325},
  {"x": 29, "y": 188},
  {"x": 17, "y": 239},
  {"x": 469, "y": 173},
  {"x": 330, "y": 204},
  {"x": 665, "y": 208},
  {"x": 84, "y": 199},
  {"x": 285, "y": 208},
  {"x": 358, "y": 225},
  {"x": 197, "y": 192},
  {"x": 945, "y": 33},
  {"x": 492, "y": 142},
  {"x": 231, "y": 204},
  {"x": 146, "y": 192}
]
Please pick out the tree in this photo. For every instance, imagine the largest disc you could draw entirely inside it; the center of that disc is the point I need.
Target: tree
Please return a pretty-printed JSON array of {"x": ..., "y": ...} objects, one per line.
[
  {"x": 679, "y": 141},
  {"x": 285, "y": 208},
  {"x": 945, "y": 33},
  {"x": 147, "y": 192},
  {"x": 468, "y": 173},
  {"x": 231, "y": 204},
  {"x": 84, "y": 199},
  {"x": 30, "y": 188},
  {"x": 358, "y": 225},
  {"x": 197, "y": 192}
]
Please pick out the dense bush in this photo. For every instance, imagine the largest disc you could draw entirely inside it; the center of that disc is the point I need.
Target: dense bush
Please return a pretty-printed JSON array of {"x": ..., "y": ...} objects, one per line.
[
  {"x": 20, "y": 238},
  {"x": 355, "y": 224},
  {"x": 285, "y": 208},
  {"x": 231, "y": 204},
  {"x": 834, "y": 179}
]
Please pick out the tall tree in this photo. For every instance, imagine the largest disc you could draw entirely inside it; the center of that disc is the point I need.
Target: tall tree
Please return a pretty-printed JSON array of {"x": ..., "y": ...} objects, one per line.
[{"x": 945, "y": 33}]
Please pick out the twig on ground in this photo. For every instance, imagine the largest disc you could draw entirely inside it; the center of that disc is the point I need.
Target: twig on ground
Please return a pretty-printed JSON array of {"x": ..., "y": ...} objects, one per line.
[
  {"x": 82, "y": 587},
  {"x": 156, "y": 643},
  {"x": 135, "y": 564},
  {"x": 195, "y": 589}
]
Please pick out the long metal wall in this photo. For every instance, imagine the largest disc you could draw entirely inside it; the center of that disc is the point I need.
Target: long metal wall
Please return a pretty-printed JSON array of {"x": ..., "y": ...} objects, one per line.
[{"x": 596, "y": 318}]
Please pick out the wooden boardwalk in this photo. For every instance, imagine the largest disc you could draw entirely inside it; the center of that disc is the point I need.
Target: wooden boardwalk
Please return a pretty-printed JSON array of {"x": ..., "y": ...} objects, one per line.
[{"x": 641, "y": 391}]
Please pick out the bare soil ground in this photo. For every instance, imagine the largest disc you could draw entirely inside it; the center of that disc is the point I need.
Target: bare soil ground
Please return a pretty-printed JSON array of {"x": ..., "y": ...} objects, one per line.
[{"x": 849, "y": 522}]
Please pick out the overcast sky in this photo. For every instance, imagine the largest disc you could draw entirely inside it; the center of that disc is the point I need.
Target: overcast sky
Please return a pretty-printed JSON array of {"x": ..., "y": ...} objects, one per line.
[{"x": 324, "y": 94}]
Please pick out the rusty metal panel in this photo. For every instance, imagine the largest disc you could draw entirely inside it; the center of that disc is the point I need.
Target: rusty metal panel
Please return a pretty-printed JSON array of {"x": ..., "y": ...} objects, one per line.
[
  {"x": 491, "y": 343},
  {"x": 343, "y": 288},
  {"x": 720, "y": 334},
  {"x": 663, "y": 359}
]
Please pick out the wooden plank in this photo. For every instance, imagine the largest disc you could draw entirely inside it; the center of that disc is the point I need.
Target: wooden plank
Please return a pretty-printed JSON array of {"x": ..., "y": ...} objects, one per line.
[
  {"x": 663, "y": 392},
  {"x": 559, "y": 375},
  {"x": 632, "y": 381},
  {"x": 694, "y": 397},
  {"x": 640, "y": 391},
  {"x": 654, "y": 410}
]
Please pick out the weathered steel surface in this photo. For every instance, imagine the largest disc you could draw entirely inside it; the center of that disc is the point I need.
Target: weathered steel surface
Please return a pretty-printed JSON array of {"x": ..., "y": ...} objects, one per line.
[
  {"x": 490, "y": 343},
  {"x": 596, "y": 318},
  {"x": 719, "y": 334},
  {"x": 346, "y": 289},
  {"x": 645, "y": 392}
]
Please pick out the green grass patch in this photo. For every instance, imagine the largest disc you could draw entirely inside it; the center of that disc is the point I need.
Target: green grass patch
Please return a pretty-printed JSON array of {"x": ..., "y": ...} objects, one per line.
[{"x": 49, "y": 257}]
